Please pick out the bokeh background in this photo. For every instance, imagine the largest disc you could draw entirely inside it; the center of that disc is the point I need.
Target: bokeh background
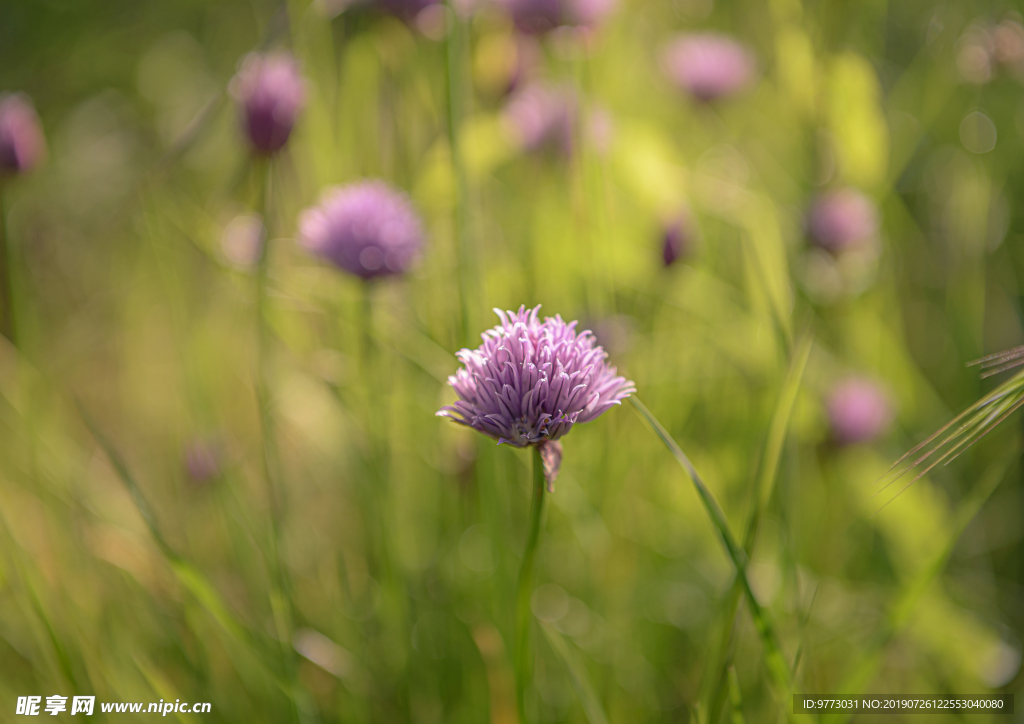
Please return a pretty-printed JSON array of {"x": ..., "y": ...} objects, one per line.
[{"x": 375, "y": 582}]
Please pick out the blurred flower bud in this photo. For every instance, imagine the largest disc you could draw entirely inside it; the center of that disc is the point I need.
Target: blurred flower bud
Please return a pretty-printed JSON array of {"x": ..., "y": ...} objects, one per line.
[
  {"x": 858, "y": 411},
  {"x": 708, "y": 66},
  {"x": 22, "y": 145},
  {"x": 542, "y": 117},
  {"x": 202, "y": 460},
  {"x": 406, "y": 10},
  {"x": 842, "y": 219},
  {"x": 241, "y": 242},
  {"x": 271, "y": 93},
  {"x": 677, "y": 238},
  {"x": 536, "y": 17}
]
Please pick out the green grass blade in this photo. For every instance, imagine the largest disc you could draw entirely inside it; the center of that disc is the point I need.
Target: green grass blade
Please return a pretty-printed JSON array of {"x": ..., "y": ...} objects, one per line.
[
  {"x": 778, "y": 669},
  {"x": 735, "y": 698},
  {"x": 188, "y": 575},
  {"x": 766, "y": 480},
  {"x": 779, "y": 427},
  {"x": 577, "y": 674}
]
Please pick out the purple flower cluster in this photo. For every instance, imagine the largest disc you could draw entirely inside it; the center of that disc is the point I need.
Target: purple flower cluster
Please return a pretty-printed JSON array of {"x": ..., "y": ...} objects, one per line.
[
  {"x": 858, "y": 410},
  {"x": 271, "y": 92},
  {"x": 367, "y": 228},
  {"x": 709, "y": 66},
  {"x": 842, "y": 219},
  {"x": 531, "y": 381},
  {"x": 22, "y": 145}
]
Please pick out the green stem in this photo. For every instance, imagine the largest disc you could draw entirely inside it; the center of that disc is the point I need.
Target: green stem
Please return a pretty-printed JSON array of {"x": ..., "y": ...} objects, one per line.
[
  {"x": 280, "y": 600},
  {"x": 263, "y": 343},
  {"x": 8, "y": 328},
  {"x": 453, "y": 90},
  {"x": 523, "y": 618}
]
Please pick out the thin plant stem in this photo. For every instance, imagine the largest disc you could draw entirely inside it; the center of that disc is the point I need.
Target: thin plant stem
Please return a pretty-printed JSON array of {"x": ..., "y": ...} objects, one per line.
[
  {"x": 524, "y": 620},
  {"x": 375, "y": 455},
  {"x": 8, "y": 327},
  {"x": 280, "y": 600},
  {"x": 454, "y": 91}
]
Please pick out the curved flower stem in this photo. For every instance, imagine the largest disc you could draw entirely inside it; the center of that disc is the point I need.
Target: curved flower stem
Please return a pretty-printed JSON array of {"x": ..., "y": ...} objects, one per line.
[{"x": 524, "y": 620}]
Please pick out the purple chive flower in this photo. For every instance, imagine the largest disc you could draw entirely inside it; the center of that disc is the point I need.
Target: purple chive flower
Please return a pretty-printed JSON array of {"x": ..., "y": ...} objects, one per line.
[
  {"x": 367, "y": 228},
  {"x": 271, "y": 92},
  {"x": 531, "y": 381},
  {"x": 676, "y": 239},
  {"x": 858, "y": 410},
  {"x": 543, "y": 117},
  {"x": 22, "y": 145},
  {"x": 709, "y": 66},
  {"x": 842, "y": 219}
]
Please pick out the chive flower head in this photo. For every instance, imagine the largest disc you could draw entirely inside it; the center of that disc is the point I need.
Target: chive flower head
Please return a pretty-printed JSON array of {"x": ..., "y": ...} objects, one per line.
[
  {"x": 531, "y": 380},
  {"x": 366, "y": 228}
]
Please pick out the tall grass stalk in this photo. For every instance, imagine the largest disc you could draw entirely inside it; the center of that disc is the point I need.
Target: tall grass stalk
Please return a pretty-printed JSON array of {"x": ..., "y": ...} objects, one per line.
[{"x": 524, "y": 619}]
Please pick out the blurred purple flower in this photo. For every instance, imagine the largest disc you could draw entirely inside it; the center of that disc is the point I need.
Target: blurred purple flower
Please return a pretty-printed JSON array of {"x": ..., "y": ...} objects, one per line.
[
  {"x": 543, "y": 117},
  {"x": 22, "y": 145},
  {"x": 406, "y": 10},
  {"x": 271, "y": 92},
  {"x": 531, "y": 381},
  {"x": 202, "y": 460},
  {"x": 709, "y": 66},
  {"x": 366, "y": 228},
  {"x": 676, "y": 239},
  {"x": 536, "y": 17},
  {"x": 842, "y": 219},
  {"x": 858, "y": 410}
]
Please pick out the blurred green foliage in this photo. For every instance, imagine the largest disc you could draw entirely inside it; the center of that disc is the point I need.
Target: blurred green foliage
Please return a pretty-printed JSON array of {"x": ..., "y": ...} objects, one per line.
[{"x": 389, "y": 597}]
